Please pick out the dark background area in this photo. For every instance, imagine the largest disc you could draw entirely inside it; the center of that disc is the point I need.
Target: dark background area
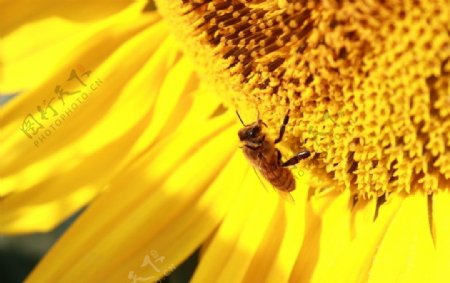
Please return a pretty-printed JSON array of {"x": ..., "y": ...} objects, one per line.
[{"x": 20, "y": 254}]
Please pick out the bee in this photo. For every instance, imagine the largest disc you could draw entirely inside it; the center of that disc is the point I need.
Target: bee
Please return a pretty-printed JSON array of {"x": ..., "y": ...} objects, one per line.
[{"x": 263, "y": 155}]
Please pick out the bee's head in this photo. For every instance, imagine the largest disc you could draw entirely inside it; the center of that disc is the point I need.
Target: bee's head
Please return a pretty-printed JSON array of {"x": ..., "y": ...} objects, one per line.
[{"x": 251, "y": 132}]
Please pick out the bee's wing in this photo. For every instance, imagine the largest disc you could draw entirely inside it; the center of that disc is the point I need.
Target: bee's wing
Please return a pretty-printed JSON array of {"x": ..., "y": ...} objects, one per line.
[
  {"x": 287, "y": 196},
  {"x": 259, "y": 178},
  {"x": 270, "y": 175}
]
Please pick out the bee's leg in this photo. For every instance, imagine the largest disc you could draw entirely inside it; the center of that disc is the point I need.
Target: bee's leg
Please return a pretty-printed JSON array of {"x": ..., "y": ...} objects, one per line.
[
  {"x": 252, "y": 145},
  {"x": 283, "y": 128},
  {"x": 296, "y": 158},
  {"x": 278, "y": 153}
]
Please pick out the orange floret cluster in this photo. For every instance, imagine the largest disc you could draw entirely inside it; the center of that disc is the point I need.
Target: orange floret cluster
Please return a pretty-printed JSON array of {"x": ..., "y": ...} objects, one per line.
[{"x": 367, "y": 83}]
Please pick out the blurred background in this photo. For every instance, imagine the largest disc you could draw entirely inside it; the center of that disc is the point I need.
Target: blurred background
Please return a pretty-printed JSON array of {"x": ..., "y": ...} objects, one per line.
[{"x": 20, "y": 254}]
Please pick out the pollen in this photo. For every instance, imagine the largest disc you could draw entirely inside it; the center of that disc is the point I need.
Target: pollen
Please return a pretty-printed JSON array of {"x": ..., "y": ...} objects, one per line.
[{"x": 367, "y": 83}]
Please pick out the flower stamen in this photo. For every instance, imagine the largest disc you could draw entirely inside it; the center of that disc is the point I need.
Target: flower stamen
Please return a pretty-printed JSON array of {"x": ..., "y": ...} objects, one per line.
[{"x": 367, "y": 83}]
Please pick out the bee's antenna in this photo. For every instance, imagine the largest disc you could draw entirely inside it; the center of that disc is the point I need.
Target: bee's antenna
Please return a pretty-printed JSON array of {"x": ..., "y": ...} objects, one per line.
[
  {"x": 259, "y": 116},
  {"x": 240, "y": 119}
]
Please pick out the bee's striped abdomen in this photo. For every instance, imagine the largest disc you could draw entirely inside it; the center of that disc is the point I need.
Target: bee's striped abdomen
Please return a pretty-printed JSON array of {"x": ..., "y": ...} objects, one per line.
[{"x": 281, "y": 178}]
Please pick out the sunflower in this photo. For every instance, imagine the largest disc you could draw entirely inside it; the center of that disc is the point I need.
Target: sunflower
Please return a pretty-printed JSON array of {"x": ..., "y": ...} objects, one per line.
[{"x": 133, "y": 113}]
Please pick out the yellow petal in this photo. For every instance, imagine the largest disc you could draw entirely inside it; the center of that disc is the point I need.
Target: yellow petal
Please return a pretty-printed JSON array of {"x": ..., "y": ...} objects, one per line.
[
  {"x": 406, "y": 252},
  {"x": 60, "y": 168},
  {"x": 327, "y": 232},
  {"x": 37, "y": 38},
  {"x": 251, "y": 217},
  {"x": 276, "y": 257},
  {"x": 441, "y": 204},
  {"x": 160, "y": 204},
  {"x": 270, "y": 231},
  {"x": 353, "y": 262},
  {"x": 363, "y": 215},
  {"x": 386, "y": 250}
]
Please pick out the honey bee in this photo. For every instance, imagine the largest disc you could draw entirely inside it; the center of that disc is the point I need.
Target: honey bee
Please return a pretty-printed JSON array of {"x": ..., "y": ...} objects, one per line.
[{"x": 263, "y": 155}]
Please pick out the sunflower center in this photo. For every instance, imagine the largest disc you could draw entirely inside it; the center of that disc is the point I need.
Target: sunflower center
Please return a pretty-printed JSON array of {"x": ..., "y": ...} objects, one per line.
[{"x": 366, "y": 83}]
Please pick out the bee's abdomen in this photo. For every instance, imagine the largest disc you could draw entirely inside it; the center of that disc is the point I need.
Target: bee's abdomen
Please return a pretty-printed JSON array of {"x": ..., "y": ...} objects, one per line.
[{"x": 282, "y": 179}]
